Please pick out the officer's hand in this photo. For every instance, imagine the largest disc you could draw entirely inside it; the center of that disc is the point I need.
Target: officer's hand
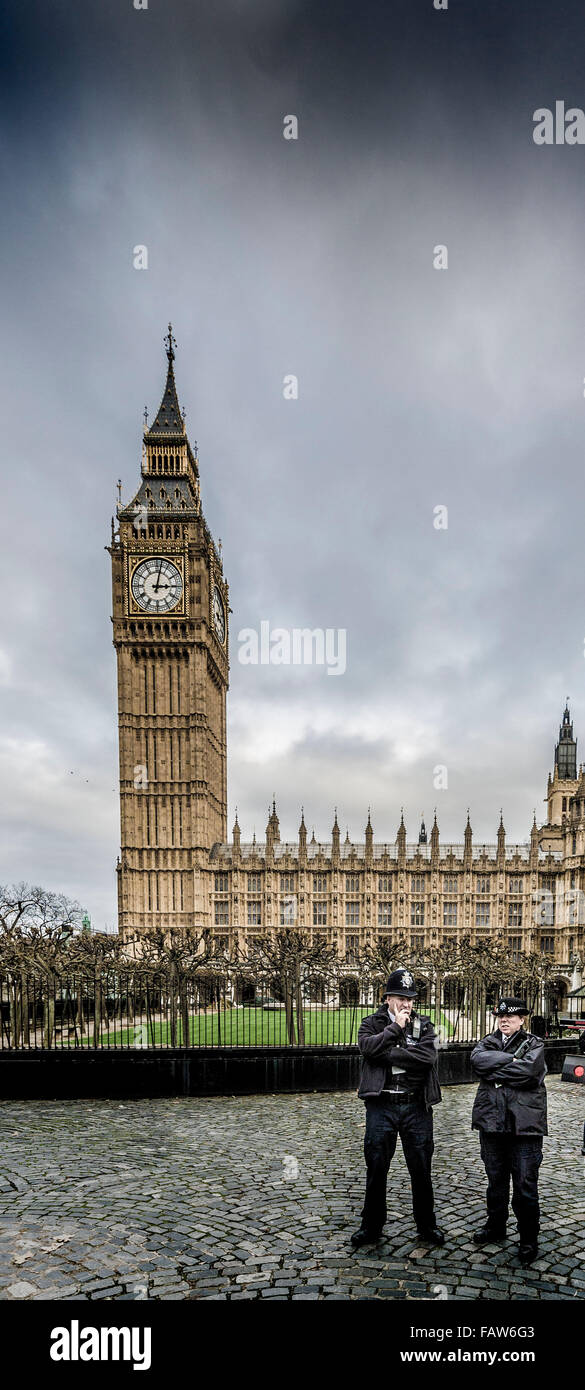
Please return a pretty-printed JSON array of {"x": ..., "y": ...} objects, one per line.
[{"x": 402, "y": 1016}]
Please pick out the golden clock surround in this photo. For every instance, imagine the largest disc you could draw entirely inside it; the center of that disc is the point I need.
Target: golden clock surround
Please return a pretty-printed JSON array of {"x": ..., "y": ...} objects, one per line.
[{"x": 137, "y": 558}]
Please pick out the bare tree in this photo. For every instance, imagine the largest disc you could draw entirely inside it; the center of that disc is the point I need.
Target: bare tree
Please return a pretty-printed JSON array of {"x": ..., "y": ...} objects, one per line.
[{"x": 297, "y": 964}]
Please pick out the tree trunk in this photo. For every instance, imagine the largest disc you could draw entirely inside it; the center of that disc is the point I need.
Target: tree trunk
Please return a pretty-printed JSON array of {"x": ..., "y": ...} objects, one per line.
[
  {"x": 299, "y": 1002},
  {"x": 14, "y": 1025},
  {"x": 97, "y": 1010},
  {"x": 50, "y": 1011},
  {"x": 173, "y": 1004},
  {"x": 288, "y": 1010},
  {"x": 25, "y": 1010},
  {"x": 184, "y": 997}
]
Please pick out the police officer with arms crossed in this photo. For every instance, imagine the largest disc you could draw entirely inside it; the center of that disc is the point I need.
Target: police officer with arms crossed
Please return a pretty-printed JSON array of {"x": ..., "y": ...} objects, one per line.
[
  {"x": 510, "y": 1112},
  {"x": 399, "y": 1085}
]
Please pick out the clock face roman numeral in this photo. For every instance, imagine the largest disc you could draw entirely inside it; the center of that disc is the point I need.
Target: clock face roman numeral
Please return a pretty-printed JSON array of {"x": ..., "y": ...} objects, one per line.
[
  {"x": 157, "y": 585},
  {"x": 218, "y": 614}
]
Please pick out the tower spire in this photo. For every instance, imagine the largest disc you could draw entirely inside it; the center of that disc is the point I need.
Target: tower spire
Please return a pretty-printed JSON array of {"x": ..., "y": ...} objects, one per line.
[
  {"x": 168, "y": 420},
  {"x": 566, "y": 748}
]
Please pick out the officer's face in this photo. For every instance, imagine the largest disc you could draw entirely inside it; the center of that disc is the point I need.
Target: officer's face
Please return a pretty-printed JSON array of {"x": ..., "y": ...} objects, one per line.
[
  {"x": 509, "y": 1024},
  {"x": 396, "y": 1003}
]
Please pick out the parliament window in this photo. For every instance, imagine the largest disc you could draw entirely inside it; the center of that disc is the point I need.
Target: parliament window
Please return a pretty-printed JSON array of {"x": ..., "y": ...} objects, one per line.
[
  {"x": 254, "y": 913},
  {"x": 385, "y": 883},
  {"x": 417, "y": 943},
  {"x": 418, "y": 883},
  {"x": 287, "y": 883},
  {"x": 449, "y": 883},
  {"x": 221, "y": 883},
  {"x": 254, "y": 883},
  {"x": 222, "y": 913},
  {"x": 482, "y": 914},
  {"x": 384, "y": 914},
  {"x": 482, "y": 883},
  {"x": 417, "y": 914},
  {"x": 352, "y": 883},
  {"x": 288, "y": 910},
  {"x": 352, "y": 914},
  {"x": 515, "y": 883},
  {"x": 352, "y": 946},
  {"x": 547, "y": 945},
  {"x": 320, "y": 913},
  {"x": 514, "y": 914},
  {"x": 319, "y": 883},
  {"x": 449, "y": 914},
  {"x": 515, "y": 946}
]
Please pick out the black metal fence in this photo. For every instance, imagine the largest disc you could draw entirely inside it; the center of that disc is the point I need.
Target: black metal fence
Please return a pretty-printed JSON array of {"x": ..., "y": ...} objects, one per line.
[{"x": 119, "y": 1010}]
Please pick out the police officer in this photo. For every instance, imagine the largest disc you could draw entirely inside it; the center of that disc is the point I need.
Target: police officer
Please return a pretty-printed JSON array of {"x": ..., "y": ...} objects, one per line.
[
  {"x": 399, "y": 1085},
  {"x": 510, "y": 1113}
]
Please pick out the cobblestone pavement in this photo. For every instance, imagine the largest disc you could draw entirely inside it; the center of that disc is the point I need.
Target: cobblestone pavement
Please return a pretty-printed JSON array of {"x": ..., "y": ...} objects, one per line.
[{"x": 256, "y": 1197}]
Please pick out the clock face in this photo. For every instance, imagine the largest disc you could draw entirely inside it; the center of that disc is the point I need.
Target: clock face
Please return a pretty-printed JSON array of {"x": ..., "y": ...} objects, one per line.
[
  {"x": 218, "y": 614},
  {"x": 157, "y": 585}
]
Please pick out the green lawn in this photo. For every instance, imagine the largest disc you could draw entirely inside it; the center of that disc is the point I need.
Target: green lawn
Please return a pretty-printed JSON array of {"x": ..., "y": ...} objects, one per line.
[{"x": 247, "y": 1027}]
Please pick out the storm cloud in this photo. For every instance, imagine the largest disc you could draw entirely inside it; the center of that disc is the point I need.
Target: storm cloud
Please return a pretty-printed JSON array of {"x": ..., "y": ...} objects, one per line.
[{"x": 418, "y": 388}]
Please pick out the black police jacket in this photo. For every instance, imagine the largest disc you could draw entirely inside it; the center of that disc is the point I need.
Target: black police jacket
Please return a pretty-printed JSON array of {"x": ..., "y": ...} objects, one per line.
[
  {"x": 382, "y": 1042},
  {"x": 511, "y": 1097}
]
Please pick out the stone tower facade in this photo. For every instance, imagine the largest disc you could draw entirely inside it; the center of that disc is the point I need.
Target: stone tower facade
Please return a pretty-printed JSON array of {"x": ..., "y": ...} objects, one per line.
[{"x": 170, "y": 631}]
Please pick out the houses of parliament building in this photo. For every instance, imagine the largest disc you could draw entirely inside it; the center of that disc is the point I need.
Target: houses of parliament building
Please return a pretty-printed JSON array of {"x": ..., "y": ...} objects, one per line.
[{"x": 177, "y": 866}]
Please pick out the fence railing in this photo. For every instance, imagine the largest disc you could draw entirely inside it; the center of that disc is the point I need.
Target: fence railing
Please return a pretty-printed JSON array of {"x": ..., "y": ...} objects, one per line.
[{"x": 119, "y": 1010}]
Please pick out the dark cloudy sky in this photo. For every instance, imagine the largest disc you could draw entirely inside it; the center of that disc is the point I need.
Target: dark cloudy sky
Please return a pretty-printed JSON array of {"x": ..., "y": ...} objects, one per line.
[{"x": 417, "y": 388}]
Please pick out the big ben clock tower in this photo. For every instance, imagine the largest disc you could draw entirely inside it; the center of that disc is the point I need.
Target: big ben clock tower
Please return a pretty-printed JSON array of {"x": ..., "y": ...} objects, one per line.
[{"x": 170, "y": 631}]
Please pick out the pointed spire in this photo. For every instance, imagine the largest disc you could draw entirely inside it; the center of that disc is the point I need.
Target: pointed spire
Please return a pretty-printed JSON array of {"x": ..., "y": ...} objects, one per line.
[
  {"x": 273, "y": 827},
  {"x": 401, "y": 839},
  {"x": 501, "y": 840},
  {"x": 168, "y": 420},
  {"x": 335, "y": 840},
  {"x": 369, "y": 840},
  {"x": 467, "y": 840},
  {"x": 566, "y": 749},
  {"x": 435, "y": 837},
  {"x": 422, "y": 834}
]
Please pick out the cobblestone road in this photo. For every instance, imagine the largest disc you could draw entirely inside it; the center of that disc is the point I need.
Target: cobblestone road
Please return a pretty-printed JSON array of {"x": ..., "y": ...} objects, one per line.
[{"x": 256, "y": 1197}]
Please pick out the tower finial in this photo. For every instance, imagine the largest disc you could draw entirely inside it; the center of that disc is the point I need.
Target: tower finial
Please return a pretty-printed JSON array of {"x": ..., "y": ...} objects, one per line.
[{"x": 170, "y": 344}]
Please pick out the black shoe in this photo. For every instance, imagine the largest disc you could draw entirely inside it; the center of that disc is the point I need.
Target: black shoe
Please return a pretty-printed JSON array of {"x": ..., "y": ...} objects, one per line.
[
  {"x": 527, "y": 1252},
  {"x": 432, "y": 1236},
  {"x": 489, "y": 1237},
  {"x": 363, "y": 1237}
]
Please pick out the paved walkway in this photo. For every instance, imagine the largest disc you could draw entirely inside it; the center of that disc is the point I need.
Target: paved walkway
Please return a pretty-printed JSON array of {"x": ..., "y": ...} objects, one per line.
[{"x": 256, "y": 1197}]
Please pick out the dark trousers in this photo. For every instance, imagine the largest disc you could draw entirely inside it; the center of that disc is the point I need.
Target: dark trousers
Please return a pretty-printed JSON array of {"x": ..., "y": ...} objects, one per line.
[
  {"x": 385, "y": 1120},
  {"x": 517, "y": 1157}
]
